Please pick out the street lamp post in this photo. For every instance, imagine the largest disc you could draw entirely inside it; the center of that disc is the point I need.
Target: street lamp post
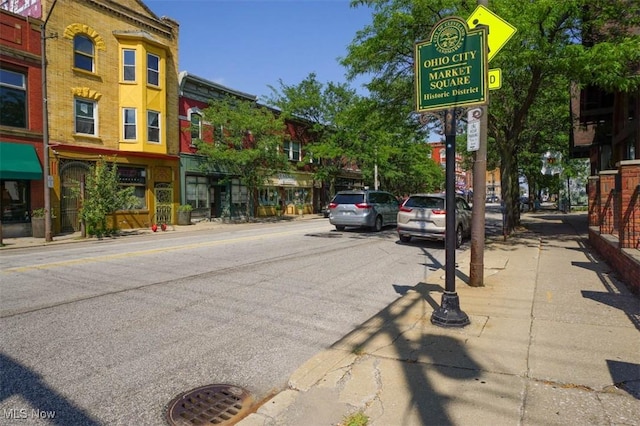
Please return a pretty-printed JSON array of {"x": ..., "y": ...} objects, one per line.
[
  {"x": 45, "y": 126},
  {"x": 449, "y": 313}
]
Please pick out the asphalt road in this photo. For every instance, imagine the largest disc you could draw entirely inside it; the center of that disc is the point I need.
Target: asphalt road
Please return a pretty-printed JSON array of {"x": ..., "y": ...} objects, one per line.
[{"x": 108, "y": 332}]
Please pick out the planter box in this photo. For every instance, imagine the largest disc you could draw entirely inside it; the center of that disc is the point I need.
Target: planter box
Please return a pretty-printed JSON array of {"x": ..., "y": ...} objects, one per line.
[
  {"x": 37, "y": 227},
  {"x": 184, "y": 218}
]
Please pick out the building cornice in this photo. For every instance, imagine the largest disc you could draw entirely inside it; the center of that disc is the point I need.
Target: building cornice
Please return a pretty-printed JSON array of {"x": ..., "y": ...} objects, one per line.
[
  {"x": 30, "y": 58},
  {"x": 198, "y": 88},
  {"x": 152, "y": 23}
]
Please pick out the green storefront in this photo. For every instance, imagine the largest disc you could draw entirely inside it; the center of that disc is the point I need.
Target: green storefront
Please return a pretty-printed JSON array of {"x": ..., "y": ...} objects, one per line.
[{"x": 21, "y": 181}]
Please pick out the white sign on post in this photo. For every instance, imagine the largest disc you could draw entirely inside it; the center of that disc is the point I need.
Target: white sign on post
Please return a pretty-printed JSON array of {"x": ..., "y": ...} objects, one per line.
[{"x": 473, "y": 129}]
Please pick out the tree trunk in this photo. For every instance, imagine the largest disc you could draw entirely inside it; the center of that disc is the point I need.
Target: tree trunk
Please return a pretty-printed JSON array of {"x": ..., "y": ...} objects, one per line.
[{"x": 510, "y": 188}]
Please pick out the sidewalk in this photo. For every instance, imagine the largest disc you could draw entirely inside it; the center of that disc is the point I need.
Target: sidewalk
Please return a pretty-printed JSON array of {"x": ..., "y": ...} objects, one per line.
[{"x": 554, "y": 339}]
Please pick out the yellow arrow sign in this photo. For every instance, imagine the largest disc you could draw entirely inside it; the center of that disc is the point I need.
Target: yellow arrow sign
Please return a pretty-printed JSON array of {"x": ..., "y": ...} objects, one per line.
[{"x": 500, "y": 31}]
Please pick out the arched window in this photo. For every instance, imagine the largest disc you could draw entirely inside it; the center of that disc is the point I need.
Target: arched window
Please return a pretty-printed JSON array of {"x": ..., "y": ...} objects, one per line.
[
  {"x": 83, "y": 53},
  {"x": 196, "y": 127}
]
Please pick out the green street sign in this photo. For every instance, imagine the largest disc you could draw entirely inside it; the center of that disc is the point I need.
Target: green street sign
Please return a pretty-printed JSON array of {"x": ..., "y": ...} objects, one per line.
[{"x": 451, "y": 67}]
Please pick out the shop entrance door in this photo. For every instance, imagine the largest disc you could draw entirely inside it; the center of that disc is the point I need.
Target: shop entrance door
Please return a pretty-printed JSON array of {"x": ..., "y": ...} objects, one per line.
[
  {"x": 164, "y": 202},
  {"x": 71, "y": 174}
]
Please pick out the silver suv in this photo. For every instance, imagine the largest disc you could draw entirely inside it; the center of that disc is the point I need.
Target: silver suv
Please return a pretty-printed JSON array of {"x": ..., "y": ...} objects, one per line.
[{"x": 372, "y": 209}]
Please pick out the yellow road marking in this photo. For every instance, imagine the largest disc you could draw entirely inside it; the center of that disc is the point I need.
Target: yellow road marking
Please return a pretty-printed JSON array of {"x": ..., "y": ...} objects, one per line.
[{"x": 140, "y": 253}]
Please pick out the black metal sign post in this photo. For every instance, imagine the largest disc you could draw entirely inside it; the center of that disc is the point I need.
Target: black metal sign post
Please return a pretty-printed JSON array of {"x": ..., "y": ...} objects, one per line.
[
  {"x": 451, "y": 71},
  {"x": 449, "y": 313}
]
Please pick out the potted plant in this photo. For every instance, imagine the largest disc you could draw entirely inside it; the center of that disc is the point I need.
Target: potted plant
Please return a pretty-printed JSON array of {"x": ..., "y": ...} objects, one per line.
[
  {"x": 184, "y": 214},
  {"x": 300, "y": 208},
  {"x": 37, "y": 223}
]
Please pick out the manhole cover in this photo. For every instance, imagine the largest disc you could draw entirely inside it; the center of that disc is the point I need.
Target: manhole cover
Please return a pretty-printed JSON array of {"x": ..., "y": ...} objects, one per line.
[{"x": 209, "y": 405}]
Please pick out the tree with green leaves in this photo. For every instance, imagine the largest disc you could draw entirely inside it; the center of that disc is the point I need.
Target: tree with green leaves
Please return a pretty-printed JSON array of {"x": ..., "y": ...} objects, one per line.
[
  {"x": 248, "y": 141},
  {"x": 348, "y": 128},
  {"x": 586, "y": 41},
  {"x": 103, "y": 195},
  {"x": 320, "y": 108}
]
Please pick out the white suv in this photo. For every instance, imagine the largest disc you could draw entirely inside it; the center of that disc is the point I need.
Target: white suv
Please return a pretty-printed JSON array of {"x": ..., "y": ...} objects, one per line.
[{"x": 424, "y": 216}]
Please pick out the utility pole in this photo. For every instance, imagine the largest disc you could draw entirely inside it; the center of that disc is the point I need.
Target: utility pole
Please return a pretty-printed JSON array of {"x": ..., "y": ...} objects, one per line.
[
  {"x": 375, "y": 169},
  {"x": 48, "y": 235},
  {"x": 476, "y": 266}
]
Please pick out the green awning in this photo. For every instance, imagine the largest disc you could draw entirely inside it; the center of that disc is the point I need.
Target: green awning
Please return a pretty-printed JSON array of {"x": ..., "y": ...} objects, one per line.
[{"x": 19, "y": 161}]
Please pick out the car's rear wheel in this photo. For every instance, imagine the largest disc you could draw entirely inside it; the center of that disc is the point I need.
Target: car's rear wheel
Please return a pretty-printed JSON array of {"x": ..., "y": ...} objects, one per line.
[
  {"x": 340, "y": 227},
  {"x": 378, "y": 225},
  {"x": 405, "y": 238}
]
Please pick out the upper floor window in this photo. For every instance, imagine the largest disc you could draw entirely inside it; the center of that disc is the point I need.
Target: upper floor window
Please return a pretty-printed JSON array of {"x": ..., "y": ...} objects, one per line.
[
  {"x": 153, "y": 69},
  {"x": 292, "y": 150},
  {"x": 13, "y": 99},
  {"x": 196, "y": 127},
  {"x": 153, "y": 126},
  {"x": 130, "y": 126},
  {"x": 83, "y": 53},
  {"x": 129, "y": 65},
  {"x": 86, "y": 117}
]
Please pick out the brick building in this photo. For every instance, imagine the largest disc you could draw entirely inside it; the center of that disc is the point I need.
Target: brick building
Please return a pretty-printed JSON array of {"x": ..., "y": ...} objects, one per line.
[
  {"x": 21, "y": 154},
  {"x": 209, "y": 190},
  {"x": 214, "y": 192},
  {"x": 112, "y": 85},
  {"x": 606, "y": 129}
]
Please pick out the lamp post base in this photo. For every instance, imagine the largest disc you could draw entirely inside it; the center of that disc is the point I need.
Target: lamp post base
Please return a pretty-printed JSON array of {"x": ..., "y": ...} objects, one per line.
[{"x": 449, "y": 313}]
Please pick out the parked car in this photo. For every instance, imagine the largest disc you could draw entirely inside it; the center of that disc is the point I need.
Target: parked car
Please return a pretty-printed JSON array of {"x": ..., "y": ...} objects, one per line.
[
  {"x": 493, "y": 199},
  {"x": 424, "y": 216},
  {"x": 365, "y": 208}
]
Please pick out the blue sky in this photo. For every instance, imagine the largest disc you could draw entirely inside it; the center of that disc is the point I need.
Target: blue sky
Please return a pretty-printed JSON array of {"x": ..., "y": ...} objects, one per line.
[{"x": 247, "y": 45}]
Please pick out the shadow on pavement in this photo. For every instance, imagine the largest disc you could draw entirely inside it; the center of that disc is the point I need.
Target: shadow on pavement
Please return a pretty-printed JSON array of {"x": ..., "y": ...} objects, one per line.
[
  {"x": 427, "y": 354},
  {"x": 25, "y": 385},
  {"x": 620, "y": 371}
]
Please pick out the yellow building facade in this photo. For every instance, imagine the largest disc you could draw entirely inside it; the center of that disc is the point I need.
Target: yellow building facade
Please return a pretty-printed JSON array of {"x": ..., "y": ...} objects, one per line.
[{"x": 112, "y": 93}]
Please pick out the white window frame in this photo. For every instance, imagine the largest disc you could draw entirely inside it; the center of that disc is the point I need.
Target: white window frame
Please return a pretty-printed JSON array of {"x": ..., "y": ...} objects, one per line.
[
  {"x": 195, "y": 130},
  {"x": 197, "y": 192},
  {"x": 126, "y": 124},
  {"x": 91, "y": 55},
  {"x": 153, "y": 71},
  {"x": 94, "y": 117},
  {"x": 128, "y": 66},
  {"x": 293, "y": 148},
  {"x": 21, "y": 88},
  {"x": 158, "y": 127}
]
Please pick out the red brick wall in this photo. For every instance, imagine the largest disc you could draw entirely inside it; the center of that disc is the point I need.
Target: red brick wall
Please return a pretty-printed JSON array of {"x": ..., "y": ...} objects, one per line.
[
  {"x": 607, "y": 202},
  {"x": 621, "y": 262},
  {"x": 630, "y": 204},
  {"x": 594, "y": 200}
]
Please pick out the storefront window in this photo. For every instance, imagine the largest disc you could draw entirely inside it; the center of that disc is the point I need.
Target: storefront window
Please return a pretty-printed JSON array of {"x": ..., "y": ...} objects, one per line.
[
  {"x": 269, "y": 196},
  {"x": 239, "y": 197},
  {"x": 197, "y": 191},
  {"x": 136, "y": 177},
  {"x": 15, "y": 201},
  {"x": 298, "y": 195}
]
